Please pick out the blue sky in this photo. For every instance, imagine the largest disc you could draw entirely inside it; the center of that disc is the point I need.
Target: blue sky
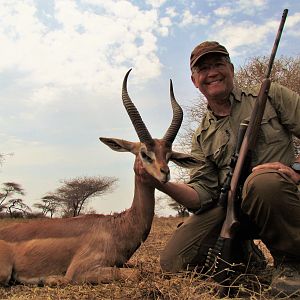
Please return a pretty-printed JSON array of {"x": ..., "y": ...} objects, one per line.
[{"x": 62, "y": 64}]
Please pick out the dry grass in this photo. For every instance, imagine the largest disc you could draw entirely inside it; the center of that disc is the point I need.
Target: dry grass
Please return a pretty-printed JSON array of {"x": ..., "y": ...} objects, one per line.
[{"x": 153, "y": 283}]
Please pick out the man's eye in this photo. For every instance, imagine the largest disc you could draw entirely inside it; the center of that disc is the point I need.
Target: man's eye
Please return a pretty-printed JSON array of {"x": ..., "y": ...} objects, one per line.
[
  {"x": 203, "y": 68},
  {"x": 220, "y": 65},
  {"x": 146, "y": 157}
]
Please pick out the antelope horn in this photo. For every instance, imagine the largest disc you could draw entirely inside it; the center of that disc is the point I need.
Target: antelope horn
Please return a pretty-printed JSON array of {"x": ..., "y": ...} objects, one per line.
[
  {"x": 134, "y": 115},
  {"x": 177, "y": 118}
]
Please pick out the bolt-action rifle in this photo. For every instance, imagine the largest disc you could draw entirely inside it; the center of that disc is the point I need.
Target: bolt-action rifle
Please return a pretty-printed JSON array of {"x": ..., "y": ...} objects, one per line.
[{"x": 219, "y": 258}]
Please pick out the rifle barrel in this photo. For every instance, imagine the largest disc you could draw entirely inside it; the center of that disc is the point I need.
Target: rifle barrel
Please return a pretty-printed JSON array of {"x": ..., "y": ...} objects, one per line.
[{"x": 276, "y": 43}]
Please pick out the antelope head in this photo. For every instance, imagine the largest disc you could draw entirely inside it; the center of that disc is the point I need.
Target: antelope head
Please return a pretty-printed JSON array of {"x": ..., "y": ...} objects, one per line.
[{"x": 154, "y": 153}]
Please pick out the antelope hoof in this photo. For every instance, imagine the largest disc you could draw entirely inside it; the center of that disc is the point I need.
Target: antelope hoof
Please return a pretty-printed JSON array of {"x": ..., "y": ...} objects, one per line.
[{"x": 55, "y": 280}]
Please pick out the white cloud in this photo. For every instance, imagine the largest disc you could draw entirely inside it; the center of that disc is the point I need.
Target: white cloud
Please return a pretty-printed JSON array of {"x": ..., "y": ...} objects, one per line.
[
  {"x": 247, "y": 7},
  {"x": 156, "y": 3},
  {"x": 241, "y": 38},
  {"x": 171, "y": 11},
  {"x": 241, "y": 35},
  {"x": 251, "y": 5},
  {"x": 292, "y": 25},
  {"x": 219, "y": 22},
  {"x": 121, "y": 9},
  {"x": 223, "y": 11},
  {"x": 165, "y": 21},
  {"x": 85, "y": 49},
  {"x": 190, "y": 19},
  {"x": 293, "y": 20}
]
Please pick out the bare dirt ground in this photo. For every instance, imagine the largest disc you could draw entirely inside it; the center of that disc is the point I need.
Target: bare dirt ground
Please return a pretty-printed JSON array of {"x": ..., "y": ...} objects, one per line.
[{"x": 153, "y": 284}]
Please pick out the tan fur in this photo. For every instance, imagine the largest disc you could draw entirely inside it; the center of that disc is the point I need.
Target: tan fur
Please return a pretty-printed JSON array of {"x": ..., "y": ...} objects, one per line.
[{"x": 72, "y": 250}]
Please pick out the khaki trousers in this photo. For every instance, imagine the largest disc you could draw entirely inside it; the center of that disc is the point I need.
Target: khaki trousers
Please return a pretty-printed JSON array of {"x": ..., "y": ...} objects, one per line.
[{"x": 271, "y": 212}]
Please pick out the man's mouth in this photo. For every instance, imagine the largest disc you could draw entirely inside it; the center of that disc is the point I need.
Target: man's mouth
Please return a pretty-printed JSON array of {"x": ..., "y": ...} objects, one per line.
[{"x": 214, "y": 82}]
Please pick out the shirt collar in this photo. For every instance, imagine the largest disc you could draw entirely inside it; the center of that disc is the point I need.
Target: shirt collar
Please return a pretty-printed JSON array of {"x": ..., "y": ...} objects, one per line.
[{"x": 235, "y": 94}]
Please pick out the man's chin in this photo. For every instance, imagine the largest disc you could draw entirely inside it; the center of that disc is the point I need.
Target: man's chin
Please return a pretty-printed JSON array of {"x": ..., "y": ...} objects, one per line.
[{"x": 218, "y": 94}]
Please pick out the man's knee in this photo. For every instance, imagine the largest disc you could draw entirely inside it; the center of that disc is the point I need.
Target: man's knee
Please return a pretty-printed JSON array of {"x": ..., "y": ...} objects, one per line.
[
  {"x": 264, "y": 186},
  {"x": 190, "y": 242},
  {"x": 170, "y": 263},
  {"x": 177, "y": 255}
]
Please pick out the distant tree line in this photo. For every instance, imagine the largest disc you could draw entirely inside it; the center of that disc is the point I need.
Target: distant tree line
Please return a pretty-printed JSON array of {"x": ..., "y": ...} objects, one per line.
[{"x": 68, "y": 200}]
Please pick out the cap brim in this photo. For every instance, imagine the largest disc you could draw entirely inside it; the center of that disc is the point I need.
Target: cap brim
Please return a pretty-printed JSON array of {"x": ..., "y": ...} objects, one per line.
[{"x": 203, "y": 54}]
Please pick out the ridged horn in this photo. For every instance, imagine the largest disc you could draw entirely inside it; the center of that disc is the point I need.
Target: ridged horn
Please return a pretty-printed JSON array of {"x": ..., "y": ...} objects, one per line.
[
  {"x": 134, "y": 115},
  {"x": 177, "y": 118}
]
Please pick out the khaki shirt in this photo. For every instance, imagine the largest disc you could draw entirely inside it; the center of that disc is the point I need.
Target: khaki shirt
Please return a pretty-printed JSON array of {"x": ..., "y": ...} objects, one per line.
[{"x": 215, "y": 139}]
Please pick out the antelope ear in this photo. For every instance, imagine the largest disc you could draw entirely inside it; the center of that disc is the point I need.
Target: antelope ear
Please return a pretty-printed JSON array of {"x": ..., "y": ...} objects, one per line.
[
  {"x": 185, "y": 160},
  {"x": 118, "y": 145}
]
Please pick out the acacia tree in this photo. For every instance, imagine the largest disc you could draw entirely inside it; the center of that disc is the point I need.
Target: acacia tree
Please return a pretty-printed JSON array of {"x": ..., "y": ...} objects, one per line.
[
  {"x": 74, "y": 194},
  {"x": 16, "y": 207},
  {"x": 50, "y": 205},
  {"x": 286, "y": 71},
  {"x": 7, "y": 191}
]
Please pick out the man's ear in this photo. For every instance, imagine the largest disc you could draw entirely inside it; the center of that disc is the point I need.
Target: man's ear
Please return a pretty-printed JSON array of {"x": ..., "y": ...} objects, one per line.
[
  {"x": 194, "y": 81},
  {"x": 185, "y": 160},
  {"x": 118, "y": 144}
]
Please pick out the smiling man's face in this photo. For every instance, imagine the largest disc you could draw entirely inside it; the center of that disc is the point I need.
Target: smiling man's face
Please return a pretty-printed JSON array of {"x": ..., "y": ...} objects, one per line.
[{"x": 213, "y": 75}]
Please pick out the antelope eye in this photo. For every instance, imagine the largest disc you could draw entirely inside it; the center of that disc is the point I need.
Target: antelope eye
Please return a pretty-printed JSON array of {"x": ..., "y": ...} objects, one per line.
[{"x": 146, "y": 157}]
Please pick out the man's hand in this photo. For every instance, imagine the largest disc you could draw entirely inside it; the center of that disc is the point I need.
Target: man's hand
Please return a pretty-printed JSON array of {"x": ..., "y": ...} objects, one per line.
[
  {"x": 280, "y": 167},
  {"x": 143, "y": 176}
]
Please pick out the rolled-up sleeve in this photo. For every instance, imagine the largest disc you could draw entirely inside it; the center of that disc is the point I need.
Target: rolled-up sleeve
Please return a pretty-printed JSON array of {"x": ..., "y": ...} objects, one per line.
[
  {"x": 287, "y": 106},
  {"x": 203, "y": 179}
]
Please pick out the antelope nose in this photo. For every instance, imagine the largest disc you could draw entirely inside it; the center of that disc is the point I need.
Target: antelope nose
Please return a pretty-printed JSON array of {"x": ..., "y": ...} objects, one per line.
[{"x": 165, "y": 170}]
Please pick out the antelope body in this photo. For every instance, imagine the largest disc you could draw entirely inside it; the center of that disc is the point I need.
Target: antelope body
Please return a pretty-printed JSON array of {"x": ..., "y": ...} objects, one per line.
[{"x": 92, "y": 248}]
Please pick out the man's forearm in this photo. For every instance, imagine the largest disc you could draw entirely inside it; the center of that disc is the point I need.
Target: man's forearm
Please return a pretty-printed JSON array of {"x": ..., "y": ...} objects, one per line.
[{"x": 181, "y": 193}]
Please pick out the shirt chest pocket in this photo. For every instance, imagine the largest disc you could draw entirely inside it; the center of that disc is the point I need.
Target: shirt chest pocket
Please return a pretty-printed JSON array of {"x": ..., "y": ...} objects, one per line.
[
  {"x": 215, "y": 147},
  {"x": 271, "y": 130}
]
